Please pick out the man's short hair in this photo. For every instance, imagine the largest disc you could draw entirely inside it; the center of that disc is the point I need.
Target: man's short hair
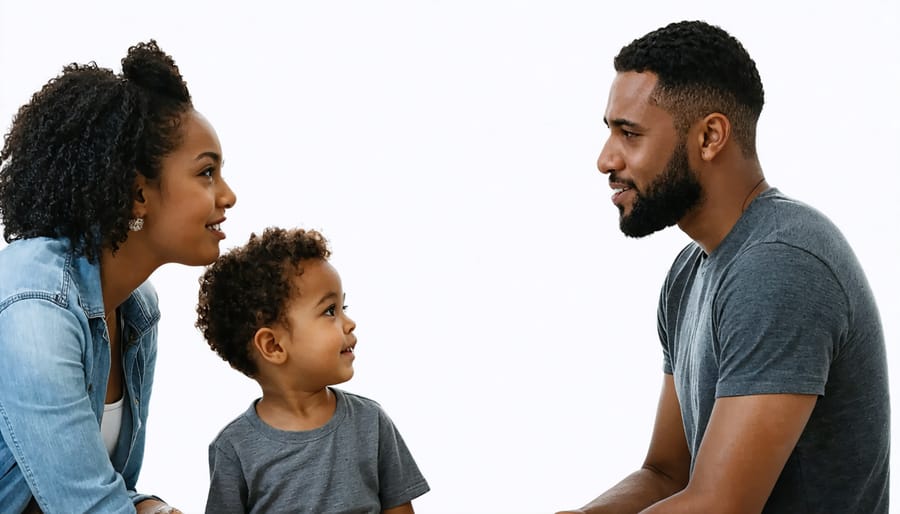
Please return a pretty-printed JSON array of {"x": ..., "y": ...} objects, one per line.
[{"x": 701, "y": 69}]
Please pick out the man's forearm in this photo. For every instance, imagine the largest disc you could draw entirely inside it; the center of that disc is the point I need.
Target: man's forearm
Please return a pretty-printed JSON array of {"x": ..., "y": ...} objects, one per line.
[{"x": 636, "y": 492}]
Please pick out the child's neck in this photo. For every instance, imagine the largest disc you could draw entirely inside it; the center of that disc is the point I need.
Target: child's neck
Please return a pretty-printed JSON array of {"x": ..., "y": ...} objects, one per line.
[{"x": 296, "y": 410}]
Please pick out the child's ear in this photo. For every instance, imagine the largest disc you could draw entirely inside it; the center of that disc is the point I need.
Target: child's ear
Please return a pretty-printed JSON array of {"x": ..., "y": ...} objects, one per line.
[{"x": 267, "y": 346}]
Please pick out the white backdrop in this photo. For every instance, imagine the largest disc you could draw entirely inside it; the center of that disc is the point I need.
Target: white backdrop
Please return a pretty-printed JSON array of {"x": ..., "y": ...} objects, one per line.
[{"x": 447, "y": 149}]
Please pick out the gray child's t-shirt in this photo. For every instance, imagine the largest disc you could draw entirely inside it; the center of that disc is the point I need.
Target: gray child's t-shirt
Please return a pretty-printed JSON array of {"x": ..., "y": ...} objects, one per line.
[
  {"x": 355, "y": 463},
  {"x": 783, "y": 306}
]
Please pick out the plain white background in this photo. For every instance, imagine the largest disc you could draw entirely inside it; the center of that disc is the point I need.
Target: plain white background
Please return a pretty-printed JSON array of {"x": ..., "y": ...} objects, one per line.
[{"x": 448, "y": 149}]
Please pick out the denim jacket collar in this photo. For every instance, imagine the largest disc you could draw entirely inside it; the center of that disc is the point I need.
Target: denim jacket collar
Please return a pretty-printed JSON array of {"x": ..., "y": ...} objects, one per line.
[{"x": 140, "y": 312}]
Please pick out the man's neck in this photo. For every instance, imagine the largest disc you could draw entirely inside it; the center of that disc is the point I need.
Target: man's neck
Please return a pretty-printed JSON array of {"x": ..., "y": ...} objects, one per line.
[{"x": 726, "y": 195}]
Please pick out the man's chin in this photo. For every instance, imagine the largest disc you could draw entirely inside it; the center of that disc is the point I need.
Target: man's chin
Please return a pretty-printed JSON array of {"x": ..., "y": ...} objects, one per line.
[{"x": 636, "y": 229}]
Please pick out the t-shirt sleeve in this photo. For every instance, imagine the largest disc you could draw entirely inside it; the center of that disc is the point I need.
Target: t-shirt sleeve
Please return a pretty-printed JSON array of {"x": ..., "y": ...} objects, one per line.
[
  {"x": 662, "y": 330},
  {"x": 779, "y": 316},
  {"x": 400, "y": 480},
  {"x": 227, "y": 487}
]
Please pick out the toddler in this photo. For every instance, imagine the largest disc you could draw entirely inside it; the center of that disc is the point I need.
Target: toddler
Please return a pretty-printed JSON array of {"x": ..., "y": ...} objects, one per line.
[{"x": 274, "y": 310}]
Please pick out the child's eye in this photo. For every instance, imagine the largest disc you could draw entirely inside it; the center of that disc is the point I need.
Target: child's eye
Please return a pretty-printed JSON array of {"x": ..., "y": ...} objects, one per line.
[
  {"x": 330, "y": 310},
  {"x": 345, "y": 307}
]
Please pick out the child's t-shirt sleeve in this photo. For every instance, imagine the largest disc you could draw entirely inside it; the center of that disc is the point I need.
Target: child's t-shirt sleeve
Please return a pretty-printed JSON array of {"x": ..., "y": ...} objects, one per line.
[
  {"x": 400, "y": 480},
  {"x": 227, "y": 487}
]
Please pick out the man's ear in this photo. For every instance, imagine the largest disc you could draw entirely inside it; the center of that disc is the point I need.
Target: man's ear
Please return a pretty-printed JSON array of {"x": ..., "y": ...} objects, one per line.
[
  {"x": 265, "y": 340},
  {"x": 713, "y": 133}
]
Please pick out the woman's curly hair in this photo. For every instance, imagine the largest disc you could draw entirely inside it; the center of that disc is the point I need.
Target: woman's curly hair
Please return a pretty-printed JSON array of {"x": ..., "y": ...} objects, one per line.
[
  {"x": 69, "y": 163},
  {"x": 249, "y": 288}
]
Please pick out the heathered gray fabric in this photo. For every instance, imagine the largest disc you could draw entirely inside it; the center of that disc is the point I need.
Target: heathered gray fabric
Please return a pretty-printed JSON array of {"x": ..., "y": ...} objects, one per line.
[
  {"x": 355, "y": 463},
  {"x": 783, "y": 306}
]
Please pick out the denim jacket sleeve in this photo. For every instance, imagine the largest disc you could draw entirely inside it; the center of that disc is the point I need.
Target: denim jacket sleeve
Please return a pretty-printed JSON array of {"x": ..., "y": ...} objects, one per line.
[
  {"x": 140, "y": 362},
  {"x": 46, "y": 416}
]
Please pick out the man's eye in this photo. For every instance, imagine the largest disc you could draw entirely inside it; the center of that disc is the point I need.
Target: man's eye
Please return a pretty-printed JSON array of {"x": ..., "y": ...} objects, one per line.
[{"x": 628, "y": 134}]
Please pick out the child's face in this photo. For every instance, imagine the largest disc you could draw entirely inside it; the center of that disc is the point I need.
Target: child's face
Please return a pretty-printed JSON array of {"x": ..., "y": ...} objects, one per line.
[{"x": 319, "y": 339}]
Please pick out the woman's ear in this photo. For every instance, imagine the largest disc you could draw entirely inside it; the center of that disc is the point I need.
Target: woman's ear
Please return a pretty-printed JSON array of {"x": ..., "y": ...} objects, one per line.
[
  {"x": 139, "y": 209},
  {"x": 713, "y": 133},
  {"x": 265, "y": 340}
]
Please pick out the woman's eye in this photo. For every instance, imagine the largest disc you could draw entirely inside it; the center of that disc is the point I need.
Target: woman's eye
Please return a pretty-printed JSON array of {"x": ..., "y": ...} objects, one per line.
[{"x": 208, "y": 172}]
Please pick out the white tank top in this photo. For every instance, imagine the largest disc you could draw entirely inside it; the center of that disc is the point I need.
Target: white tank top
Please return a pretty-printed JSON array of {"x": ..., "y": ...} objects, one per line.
[{"x": 111, "y": 424}]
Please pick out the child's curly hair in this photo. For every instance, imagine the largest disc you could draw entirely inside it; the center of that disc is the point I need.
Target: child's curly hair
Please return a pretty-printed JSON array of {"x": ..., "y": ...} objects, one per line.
[
  {"x": 249, "y": 287},
  {"x": 69, "y": 163}
]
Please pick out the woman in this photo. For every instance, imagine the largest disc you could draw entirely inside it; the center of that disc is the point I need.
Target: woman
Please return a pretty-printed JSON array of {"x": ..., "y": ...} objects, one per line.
[{"x": 103, "y": 178}]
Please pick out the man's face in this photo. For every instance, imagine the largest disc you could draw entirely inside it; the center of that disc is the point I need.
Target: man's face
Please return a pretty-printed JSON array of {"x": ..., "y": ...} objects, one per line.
[{"x": 646, "y": 159}]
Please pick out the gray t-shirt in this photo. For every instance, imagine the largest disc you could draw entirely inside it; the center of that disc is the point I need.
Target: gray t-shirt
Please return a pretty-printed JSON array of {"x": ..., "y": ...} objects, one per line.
[
  {"x": 355, "y": 463},
  {"x": 783, "y": 306}
]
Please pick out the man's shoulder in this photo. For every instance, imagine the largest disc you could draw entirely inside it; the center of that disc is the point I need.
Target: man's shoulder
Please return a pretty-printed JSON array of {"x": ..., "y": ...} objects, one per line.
[{"x": 780, "y": 218}]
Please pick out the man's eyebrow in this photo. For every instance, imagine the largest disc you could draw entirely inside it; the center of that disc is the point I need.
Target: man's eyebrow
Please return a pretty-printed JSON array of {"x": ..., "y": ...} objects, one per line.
[{"x": 622, "y": 122}]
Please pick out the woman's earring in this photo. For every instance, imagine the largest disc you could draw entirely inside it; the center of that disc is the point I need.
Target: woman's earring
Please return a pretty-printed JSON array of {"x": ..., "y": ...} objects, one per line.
[{"x": 135, "y": 224}]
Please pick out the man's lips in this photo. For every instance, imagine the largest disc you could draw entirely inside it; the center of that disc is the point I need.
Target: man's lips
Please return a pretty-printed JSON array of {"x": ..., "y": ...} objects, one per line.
[{"x": 619, "y": 188}]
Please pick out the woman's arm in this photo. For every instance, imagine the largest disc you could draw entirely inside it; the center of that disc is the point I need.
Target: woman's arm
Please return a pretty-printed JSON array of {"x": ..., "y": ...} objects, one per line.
[{"x": 47, "y": 420}]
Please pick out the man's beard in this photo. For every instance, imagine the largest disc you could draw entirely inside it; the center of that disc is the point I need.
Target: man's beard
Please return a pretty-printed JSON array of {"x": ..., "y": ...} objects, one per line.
[{"x": 666, "y": 200}]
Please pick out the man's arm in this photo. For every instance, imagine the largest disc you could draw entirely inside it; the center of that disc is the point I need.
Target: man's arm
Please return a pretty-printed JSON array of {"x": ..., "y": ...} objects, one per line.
[
  {"x": 406, "y": 508},
  {"x": 746, "y": 444},
  {"x": 665, "y": 470}
]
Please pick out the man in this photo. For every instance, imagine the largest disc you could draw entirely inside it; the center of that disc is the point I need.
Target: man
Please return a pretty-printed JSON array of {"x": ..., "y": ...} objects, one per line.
[{"x": 775, "y": 393}]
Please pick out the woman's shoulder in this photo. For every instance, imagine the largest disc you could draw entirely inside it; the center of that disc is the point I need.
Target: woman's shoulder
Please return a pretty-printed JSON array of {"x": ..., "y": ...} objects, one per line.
[
  {"x": 35, "y": 265},
  {"x": 142, "y": 307}
]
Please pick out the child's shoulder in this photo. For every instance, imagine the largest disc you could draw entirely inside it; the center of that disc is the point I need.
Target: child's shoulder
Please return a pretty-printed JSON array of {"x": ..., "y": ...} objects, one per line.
[
  {"x": 237, "y": 428},
  {"x": 357, "y": 401}
]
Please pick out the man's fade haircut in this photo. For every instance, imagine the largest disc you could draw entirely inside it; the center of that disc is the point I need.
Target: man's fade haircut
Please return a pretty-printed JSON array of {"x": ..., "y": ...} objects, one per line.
[
  {"x": 701, "y": 69},
  {"x": 70, "y": 160},
  {"x": 250, "y": 287}
]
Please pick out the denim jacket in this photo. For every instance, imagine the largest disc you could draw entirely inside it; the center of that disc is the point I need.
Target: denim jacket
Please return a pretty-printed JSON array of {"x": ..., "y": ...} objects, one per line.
[{"x": 54, "y": 367}]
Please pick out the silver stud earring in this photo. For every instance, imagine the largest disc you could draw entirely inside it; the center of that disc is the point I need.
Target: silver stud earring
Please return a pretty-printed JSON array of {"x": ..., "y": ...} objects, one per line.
[{"x": 135, "y": 224}]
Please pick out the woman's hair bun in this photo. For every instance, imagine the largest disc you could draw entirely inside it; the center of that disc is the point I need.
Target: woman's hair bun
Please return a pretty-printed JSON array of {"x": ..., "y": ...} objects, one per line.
[{"x": 152, "y": 69}]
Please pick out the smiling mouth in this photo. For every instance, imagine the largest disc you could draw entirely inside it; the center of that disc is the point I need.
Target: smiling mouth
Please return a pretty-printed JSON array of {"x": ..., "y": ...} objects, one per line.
[
  {"x": 348, "y": 349},
  {"x": 217, "y": 227}
]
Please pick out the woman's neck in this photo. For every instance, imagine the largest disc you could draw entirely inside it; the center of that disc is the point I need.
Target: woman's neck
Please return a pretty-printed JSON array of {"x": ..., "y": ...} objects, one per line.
[{"x": 120, "y": 274}]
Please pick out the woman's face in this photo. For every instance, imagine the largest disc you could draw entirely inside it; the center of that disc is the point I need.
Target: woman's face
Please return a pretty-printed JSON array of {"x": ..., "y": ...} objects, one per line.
[{"x": 184, "y": 209}]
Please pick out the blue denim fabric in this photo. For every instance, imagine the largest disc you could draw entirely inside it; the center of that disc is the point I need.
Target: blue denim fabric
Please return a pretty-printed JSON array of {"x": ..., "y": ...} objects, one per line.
[{"x": 54, "y": 366}]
